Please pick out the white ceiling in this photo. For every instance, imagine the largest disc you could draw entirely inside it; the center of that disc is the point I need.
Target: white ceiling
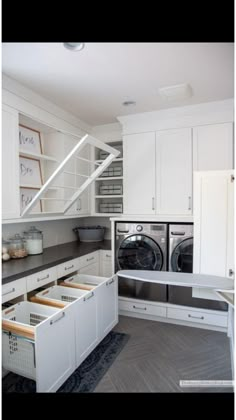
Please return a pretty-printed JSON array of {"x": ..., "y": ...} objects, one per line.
[{"x": 93, "y": 83}]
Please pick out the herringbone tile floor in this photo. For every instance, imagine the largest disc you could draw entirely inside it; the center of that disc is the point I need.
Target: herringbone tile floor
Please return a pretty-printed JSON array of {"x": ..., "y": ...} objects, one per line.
[{"x": 158, "y": 355}]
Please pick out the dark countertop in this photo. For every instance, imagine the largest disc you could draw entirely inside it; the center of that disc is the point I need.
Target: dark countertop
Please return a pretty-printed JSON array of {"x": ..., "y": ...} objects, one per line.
[{"x": 54, "y": 255}]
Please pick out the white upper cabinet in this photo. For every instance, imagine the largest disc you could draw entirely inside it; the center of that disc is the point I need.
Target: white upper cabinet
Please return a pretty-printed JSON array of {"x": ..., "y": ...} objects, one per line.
[
  {"x": 10, "y": 164},
  {"x": 139, "y": 173},
  {"x": 213, "y": 147},
  {"x": 174, "y": 171},
  {"x": 213, "y": 223}
]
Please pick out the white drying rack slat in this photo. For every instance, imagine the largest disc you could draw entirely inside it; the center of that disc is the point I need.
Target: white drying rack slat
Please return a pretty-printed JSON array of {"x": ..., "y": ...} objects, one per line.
[{"x": 87, "y": 139}]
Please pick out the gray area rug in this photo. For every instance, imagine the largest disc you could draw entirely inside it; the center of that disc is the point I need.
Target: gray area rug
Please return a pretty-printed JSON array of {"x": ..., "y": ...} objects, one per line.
[{"x": 86, "y": 377}]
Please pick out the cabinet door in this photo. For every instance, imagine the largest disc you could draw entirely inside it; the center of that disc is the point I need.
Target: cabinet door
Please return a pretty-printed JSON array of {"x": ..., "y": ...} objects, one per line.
[
  {"x": 139, "y": 173},
  {"x": 106, "y": 269},
  {"x": 10, "y": 164},
  {"x": 174, "y": 171},
  {"x": 213, "y": 223},
  {"x": 90, "y": 269},
  {"x": 107, "y": 306},
  {"x": 213, "y": 147},
  {"x": 86, "y": 326}
]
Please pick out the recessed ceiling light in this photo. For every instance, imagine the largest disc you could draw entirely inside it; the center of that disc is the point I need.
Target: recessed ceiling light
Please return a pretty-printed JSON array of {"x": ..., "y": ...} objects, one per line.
[
  {"x": 74, "y": 46},
  {"x": 182, "y": 91},
  {"x": 128, "y": 103}
]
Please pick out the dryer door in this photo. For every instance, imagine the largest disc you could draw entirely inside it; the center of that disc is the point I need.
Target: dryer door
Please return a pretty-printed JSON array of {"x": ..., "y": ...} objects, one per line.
[
  {"x": 182, "y": 257},
  {"x": 139, "y": 252}
]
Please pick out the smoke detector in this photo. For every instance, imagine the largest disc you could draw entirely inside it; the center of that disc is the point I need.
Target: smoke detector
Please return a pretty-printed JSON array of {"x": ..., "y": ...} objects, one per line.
[{"x": 175, "y": 92}]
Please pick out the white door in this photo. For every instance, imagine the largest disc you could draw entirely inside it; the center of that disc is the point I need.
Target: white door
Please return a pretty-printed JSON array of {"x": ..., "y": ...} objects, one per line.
[
  {"x": 213, "y": 147},
  {"x": 139, "y": 173},
  {"x": 55, "y": 351},
  {"x": 108, "y": 306},
  {"x": 10, "y": 164},
  {"x": 86, "y": 326},
  {"x": 174, "y": 171},
  {"x": 213, "y": 223}
]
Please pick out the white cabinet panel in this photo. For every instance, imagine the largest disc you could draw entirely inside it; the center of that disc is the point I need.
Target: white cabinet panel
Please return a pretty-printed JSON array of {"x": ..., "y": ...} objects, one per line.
[
  {"x": 10, "y": 164},
  {"x": 67, "y": 267},
  {"x": 139, "y": 173},
  {"x": 174, "y": 171},
  {"x": 213, "y": 147},
  {"x": 86, "y": 326},
  {"x": 107, "y": 306},
  {"x": 40, "y": 279},
  {"x": 105, "y": 263},
  {"x": 92, "y": 269},
  {"x": 213, "y": 223},
  {"x": 13, "y": 289}
]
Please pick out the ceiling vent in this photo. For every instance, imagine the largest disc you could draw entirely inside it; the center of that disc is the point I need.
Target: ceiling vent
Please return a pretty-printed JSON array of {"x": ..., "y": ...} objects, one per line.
[{"x": 175, "y": 92}]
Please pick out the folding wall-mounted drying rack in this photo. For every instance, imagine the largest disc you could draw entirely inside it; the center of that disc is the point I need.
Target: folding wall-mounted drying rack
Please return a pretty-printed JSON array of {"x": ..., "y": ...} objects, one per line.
[{"x": 85, "y": 140}]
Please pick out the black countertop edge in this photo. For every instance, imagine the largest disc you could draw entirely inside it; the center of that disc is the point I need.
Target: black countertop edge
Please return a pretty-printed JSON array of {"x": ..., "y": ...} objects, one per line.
[{"x": 52, "y": 256}]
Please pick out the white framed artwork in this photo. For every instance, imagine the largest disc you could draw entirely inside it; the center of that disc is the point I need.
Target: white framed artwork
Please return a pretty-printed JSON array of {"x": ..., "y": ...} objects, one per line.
[
  {"x": 26, "y": 196},
  {"x": 30, "y": 172},
  {"x": 29, "y": 139}
]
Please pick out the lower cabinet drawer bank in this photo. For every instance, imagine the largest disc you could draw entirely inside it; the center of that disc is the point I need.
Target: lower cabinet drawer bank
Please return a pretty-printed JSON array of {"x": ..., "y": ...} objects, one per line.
[
  {"x": 212, "y": 318},
  {"x": 142, "y": 307},
  {"x": 48, "y": 338}
]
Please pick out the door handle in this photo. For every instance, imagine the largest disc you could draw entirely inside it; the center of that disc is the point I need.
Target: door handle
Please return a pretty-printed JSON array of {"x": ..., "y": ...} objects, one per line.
[
  {"x": 189, "y": 203},
  {"x": 231, "y": 272},
  {"x": 43, "y": 278},
  {"x": 89, "y": 297},
  {"x": 153, "y": 203},
  {"x": 10, "y": 291},
  {"x": 58, "y": 319},
  {"x": 110, "y": 282}
]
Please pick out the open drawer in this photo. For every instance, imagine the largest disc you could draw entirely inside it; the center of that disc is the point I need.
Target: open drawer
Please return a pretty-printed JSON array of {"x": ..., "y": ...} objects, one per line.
[
  {"x": 38, "y": 342},
  {"x": 58, "y": 296},
  {"x": 84, "y": 281}
]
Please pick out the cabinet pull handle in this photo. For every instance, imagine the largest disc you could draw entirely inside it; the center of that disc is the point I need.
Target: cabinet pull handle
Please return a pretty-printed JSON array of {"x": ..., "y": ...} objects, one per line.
[
  {"x": 10, "y": 291},
  {"x": 110, "y": 282},
  {"x": 88, "y": 297},
  {"x": 137, "y": 307},
  {"x": 153, "y": 204},
  {"x": 189, "y": 203},
  {"x": 197, "y": 317},
  {"x": 231, "y": 272},
  {"x": 43, "y": 278},
  {"x": 108, "y": 256},
  {"x": 58, "y": 319},
  {"x": 79, "y": 203},
  {"x": 68, "y": 268},
  {"x": 90, "y": 259}
]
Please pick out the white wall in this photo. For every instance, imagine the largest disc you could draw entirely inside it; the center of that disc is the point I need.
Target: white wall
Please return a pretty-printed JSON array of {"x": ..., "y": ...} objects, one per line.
[{"x": 57, "y": 232}]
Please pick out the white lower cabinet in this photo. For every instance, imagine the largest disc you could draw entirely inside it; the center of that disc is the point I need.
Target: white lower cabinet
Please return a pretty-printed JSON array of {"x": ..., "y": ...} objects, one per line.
[
  {"x": 105, "y": 263},
  {"x": 141, "y": 307},
  {"x": 107, "y": 306},
  {"x": 217, "y": 318},
  {"x": 92, "y": 269},
  {"x": 38, "y": 342},
  {"x": 86, "y": 324}
]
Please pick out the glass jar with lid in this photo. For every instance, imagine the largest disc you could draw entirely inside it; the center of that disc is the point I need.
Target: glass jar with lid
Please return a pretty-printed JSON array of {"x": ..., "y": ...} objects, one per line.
[
  {"x": 17, "y": 247},
  {"x": 34, "y": 241},
  {"x": 5, "y": 250}
]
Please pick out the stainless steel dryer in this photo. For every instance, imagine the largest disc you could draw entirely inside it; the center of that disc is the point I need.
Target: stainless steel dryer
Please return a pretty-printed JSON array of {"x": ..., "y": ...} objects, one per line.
[{"x": 141, "y": 246}]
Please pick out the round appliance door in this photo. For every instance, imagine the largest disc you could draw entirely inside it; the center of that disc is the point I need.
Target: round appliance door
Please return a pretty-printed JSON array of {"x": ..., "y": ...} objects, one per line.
[
  {"x": 139, "y": 252},
  {"x": 182, "y": 257}
]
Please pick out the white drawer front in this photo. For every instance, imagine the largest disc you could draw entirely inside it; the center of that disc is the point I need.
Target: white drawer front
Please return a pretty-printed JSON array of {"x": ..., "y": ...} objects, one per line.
[
  {"x": 13, "y": 289},
  {"x": 67, "y": 267},
  {"x": 88, "y": 259},
  {"x": 144, "y": 308},
  {"x": 41, "y": 278},
  {"x": 106, "y": 255},
  {"x": 199, "y": 317}
]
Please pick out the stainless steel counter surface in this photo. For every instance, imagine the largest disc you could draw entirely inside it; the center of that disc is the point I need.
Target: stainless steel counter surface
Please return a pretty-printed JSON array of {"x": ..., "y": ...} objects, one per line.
[{"x": 54, "y": 255}]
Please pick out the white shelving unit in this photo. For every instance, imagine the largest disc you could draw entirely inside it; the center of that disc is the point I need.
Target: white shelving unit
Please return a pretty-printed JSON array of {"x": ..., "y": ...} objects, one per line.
[{"x": 108, "y": 189}]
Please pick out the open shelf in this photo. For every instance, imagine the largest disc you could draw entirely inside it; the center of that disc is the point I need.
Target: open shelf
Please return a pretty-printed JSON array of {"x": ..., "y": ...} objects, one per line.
[
  {"x": 115, "y": 160},
  {"x": 26, "y": 153},
  {"x": 107, "y": 178},
  {"x": 109, "y": 196}
]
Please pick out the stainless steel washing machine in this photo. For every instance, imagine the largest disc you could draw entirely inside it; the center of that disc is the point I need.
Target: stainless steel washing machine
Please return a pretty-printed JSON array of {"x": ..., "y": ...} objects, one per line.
[
  {"x": 141, "y": 246},
  {"x": 181, "y": 260}
]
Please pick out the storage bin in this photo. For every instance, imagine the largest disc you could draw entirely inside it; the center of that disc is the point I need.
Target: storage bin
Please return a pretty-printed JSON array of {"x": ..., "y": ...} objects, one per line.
[
  {"x": 110, "y": 189},
  {"x": 90, "y": 233},
  {"x": 84, "y": 281},
  {"x": 59, "y": 296},
  {"x": 111, "y": 208},
  {"x": 19, "y": 325},
  {"x": 112, "y": 171}
]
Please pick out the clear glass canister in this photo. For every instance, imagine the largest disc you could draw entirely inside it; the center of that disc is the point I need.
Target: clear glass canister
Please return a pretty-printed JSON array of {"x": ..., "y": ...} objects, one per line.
[
  {"x": 5, "y": 250},
  {"x": 17, "y": 247},
  {"x": 34, "y": 241}
]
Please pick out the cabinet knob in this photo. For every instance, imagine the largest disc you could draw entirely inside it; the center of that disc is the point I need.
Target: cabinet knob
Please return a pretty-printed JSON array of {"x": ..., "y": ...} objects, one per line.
[
  {"x": 231, "y": 272},
  {"x": 153, "y": 203}
]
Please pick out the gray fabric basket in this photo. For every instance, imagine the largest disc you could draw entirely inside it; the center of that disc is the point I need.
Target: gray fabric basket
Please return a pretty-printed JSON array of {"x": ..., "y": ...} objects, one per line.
[{"x": 90, "y": 233}]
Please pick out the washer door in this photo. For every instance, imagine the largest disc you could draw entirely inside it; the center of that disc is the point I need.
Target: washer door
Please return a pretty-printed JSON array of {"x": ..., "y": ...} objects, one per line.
[
  {"x": 139, "y": 252},
  {"x": 182, "y": 257}
]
